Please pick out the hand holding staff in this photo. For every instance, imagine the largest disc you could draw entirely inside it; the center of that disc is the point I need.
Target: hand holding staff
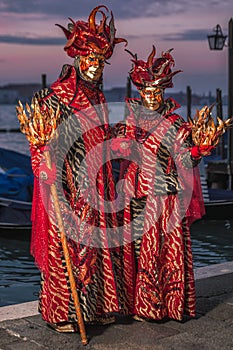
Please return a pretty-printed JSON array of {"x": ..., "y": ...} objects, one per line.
[{"x": 39, "y": 128}]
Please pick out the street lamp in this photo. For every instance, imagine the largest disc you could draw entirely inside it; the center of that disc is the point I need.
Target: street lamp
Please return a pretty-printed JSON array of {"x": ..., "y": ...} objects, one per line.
[{"x": 217, "y": 42}]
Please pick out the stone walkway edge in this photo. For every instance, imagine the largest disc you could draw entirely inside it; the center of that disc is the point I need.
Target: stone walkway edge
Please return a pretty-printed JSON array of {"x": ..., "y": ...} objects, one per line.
[{"x": 27, "y": 309}]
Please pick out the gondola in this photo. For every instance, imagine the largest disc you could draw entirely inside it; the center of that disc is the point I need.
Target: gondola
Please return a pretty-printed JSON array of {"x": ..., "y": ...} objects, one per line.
[
  {"x": 16, "y": 184},
  {"x": 218, "y": 202}
]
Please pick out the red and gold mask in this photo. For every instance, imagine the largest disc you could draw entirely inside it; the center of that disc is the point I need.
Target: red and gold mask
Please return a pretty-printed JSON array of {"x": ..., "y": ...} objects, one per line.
[
  {"x": 91, "y": 66},
  {"x": 152, "y": 97}
]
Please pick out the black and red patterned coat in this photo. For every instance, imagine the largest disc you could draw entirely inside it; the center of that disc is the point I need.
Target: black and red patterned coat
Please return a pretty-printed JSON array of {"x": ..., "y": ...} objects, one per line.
[
  {"x": 85, "y": 185},
  {"x": 158, "y": 189}
]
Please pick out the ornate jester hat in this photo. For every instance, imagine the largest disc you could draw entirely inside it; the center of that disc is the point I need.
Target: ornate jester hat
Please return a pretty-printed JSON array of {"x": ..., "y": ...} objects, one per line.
[
  {"x": 87, "y": 37},
  {"x": 155, "y": 72}
]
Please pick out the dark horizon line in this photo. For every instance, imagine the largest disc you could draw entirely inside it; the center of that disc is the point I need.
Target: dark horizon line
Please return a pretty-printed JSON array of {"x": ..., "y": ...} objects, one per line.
[{"x": 40, "y": 85}]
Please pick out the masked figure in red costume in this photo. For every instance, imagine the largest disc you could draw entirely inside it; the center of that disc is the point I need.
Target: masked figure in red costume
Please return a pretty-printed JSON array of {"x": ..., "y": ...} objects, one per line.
[
  {"x": 158, "y": 187},
  {"x": 83, "y": 128}
]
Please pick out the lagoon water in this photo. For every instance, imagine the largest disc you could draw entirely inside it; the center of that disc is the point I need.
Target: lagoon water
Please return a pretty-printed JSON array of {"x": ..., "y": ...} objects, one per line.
[{"x": 212, "y": 240}]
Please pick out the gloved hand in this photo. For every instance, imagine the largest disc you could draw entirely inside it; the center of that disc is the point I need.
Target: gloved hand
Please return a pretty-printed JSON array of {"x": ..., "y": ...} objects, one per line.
[
  {"x": 47, "y": 175},
  {"x": 200, "y": 151}
]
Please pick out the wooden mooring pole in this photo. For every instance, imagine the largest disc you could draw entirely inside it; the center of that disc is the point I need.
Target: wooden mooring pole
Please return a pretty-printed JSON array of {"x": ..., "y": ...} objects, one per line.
[
  {"x": 230, "y": 102},
  {"x": 43, "y": 81},
  {"x": 221, "y": 145},
  {"x": 189, "y": 101}
]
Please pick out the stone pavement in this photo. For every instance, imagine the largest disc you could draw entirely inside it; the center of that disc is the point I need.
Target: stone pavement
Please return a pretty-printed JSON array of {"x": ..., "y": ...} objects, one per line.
[{"x": 21, "y": 328}]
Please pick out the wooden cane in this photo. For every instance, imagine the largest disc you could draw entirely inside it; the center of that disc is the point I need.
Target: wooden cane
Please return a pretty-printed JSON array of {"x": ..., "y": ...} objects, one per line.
[
  {"x": 39, "y": 128},
  {"x": 67, "y": 255}
]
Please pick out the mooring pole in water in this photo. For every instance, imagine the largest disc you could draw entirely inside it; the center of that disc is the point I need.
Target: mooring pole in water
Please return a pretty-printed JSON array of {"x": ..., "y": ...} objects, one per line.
[
  {"x": 230, "y": 102},
  {"x": 43, "y": 81},
  {"x": 220, "y": 148},
  {"x": 128, "y": 95},
  {"x": 189, "y": 101}
]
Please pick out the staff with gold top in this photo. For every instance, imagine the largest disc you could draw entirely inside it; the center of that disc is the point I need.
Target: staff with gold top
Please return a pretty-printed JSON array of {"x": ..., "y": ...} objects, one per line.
[{"x": 39, "y": 129}]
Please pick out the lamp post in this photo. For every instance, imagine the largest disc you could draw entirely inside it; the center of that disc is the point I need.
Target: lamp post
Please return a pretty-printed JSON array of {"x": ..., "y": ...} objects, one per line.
[{"x": 217, "y": 42}]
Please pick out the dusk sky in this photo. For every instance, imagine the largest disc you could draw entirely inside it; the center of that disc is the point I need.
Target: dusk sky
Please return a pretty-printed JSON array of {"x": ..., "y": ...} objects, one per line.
[{"x": 31, "y": 44}]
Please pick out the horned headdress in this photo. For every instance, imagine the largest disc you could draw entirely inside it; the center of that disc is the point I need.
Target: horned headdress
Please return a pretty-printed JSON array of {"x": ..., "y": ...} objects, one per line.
[
  {"x": 87, "y": 37},
  {"x": 154, "y": 72}
]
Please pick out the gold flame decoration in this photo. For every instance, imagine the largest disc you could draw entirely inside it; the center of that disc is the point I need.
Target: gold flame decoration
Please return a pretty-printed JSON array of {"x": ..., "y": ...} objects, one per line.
[
  {"x": 36, "y": 123},
  {"x": 204, "y": 130}
]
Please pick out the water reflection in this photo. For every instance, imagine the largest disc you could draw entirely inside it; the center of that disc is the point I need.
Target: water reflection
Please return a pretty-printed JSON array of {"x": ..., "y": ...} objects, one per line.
[
  {"x": 212, "y": 243},
  {"x": 19, "y": 277}
]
